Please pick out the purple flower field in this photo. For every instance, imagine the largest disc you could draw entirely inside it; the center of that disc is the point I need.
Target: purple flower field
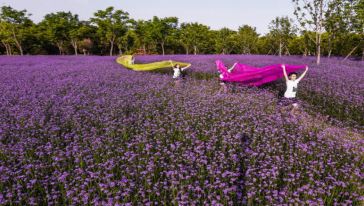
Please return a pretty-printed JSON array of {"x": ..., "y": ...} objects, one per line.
[
  {"x": 86, "y": 131},
  {"x": 335, "y": 87}
]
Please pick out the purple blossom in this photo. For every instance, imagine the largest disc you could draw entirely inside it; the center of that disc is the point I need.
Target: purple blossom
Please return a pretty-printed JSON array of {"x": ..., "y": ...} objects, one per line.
[{"x": 84, "y": 130}]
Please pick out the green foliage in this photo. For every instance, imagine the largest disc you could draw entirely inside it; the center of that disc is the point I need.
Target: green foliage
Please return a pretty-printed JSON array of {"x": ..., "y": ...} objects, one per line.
[
  {"x": 111, "y": 25},
  {"x": 142, "y": 31},
  {"x": 13, "y": 28},
  {"x": 246, "y": 40},
  {"x": 281, "y": 32},
  {"x": 163, "y": 29},
  {"x": 60, "y": 29},
  {"x": 311, "y": 16},
  {"x": 337, "y": 28},
  {"x": 126, "y": 42},
  {"x": 224, "y": 40},
  {"x": 195, "y": 36}
]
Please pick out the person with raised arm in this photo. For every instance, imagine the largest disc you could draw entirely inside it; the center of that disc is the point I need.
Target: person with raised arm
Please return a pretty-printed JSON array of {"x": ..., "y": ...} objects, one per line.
[
  {"x": 292, "y": 85},
  {"x": 177, "y": 70},
  {"x": 232, "y": 68}
]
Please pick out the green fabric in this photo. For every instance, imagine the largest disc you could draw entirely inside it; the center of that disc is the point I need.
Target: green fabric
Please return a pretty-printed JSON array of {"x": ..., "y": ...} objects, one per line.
[{"x": 125, "y": 60}]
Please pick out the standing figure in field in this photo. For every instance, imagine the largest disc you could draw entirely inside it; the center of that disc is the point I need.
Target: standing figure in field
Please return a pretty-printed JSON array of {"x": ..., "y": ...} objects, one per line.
[
  {"x": 132, "y": 59},
  {"x": 223, "y": 84},
  {"x": 178, "y": 71},
  {"x": 292, "y": 84}
]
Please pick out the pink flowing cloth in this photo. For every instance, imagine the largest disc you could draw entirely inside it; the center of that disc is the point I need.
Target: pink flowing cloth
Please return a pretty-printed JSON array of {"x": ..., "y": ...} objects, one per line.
[{"x": 253, "y": 76}]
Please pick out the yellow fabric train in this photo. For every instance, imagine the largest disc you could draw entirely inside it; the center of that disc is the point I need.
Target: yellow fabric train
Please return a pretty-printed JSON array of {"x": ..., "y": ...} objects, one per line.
[{"x": 126, "y": 61}]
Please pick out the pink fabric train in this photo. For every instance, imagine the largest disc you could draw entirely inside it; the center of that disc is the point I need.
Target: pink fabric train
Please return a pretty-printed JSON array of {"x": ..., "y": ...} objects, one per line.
[{"x": 253, "y": 76}]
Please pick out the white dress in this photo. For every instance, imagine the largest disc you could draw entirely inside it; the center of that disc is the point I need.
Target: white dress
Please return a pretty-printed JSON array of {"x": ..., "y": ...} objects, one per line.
[
  {"x": 291, "y": 88},
  {"x": 176, "y": 73}
]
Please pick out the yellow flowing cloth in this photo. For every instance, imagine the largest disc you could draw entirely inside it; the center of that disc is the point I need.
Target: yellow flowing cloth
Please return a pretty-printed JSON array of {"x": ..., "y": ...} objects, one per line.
[{"x": 126, "y": 61}]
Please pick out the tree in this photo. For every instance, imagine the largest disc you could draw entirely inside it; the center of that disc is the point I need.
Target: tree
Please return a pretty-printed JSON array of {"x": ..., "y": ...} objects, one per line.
[
  {"x": 85, "y": 45},
  {"x": 81, "y": 32},
  {"x": 60, "y": 28},
  {"x": 358, "y": 21},
  {"x": 224, "y": 42},
  {"x": 281, "y": 31},
  {"x": 309, "y": 45},
  {"x": 312, "y": 13},
  {"x": 76, "y": 33},
  {"x": 127, "y": 41},
  {"x": 161, "y": 29},
  {"x": 111, "y": 25},
  {"x": 195, "y": 36},
  {"x": 344, "y": 25},
  {"x": 336, "y": 24},
  {"x": 6, "y": 37},
  {"x": 297, "y": 46},
  {"x": 246, "y": 39},
  {"x": 142, "y": 31},
  {"x": 327, "y": 27},
  {"x": 264, "y": 45},
  {"x": 13, "y": 27}
]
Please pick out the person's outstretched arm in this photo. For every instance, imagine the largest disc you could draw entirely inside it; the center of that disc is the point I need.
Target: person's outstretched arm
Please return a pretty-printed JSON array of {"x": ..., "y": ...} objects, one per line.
[
  {"x": 170, "y": 61},
  {"x": 303, "y": 75},
  {"x": 186, "y": 67},
  {"x": 231, "y": 69},
  {"x": 284, "y": 72}
]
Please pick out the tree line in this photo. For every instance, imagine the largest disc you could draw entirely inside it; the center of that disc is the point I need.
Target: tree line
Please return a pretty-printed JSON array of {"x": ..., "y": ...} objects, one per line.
[{"x": 325, "y": 28}]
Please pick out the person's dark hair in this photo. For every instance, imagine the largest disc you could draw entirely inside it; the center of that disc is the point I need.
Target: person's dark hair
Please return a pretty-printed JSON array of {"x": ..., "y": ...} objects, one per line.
[{"x": 292, "y": 73}]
